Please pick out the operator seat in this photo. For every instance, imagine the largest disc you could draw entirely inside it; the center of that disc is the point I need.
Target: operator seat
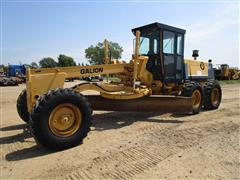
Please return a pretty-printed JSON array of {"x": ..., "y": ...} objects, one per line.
[{"x": 153, "y": 66}]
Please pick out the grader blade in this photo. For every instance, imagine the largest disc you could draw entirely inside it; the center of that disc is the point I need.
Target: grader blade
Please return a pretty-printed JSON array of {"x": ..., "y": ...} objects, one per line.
[{"x": 154, "y": 103}]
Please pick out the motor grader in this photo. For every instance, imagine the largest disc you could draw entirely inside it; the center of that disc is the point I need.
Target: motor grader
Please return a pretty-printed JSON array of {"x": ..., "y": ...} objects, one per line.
[
  {"x": 157, "y": 79},
  {"x": 224, "y": 72}
]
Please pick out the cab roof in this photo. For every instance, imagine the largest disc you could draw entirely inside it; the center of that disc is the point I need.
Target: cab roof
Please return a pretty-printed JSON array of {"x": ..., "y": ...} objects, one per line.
[{"x": 156, "y": 26}]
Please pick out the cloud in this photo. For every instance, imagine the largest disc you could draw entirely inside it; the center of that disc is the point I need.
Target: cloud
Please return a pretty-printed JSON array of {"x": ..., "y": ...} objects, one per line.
[
  {"x": 217, "y": 20},
  {"x": 216, "y": 35},
  {"x": 211, "y": 33}
]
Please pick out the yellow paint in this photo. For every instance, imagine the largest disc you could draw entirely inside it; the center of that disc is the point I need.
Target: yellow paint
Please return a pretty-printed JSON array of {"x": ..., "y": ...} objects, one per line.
[
  {"x": 135, "y": 60},
  {"x": 65, "y": 120},
  {"x": 195, "y": 68},
  {"x": 42, "y": 80},
  {"x": 137, "y": 93}
]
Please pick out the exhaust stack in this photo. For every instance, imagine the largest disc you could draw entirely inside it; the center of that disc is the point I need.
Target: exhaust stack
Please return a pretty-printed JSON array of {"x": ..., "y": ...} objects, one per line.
[{"x": 195, "y": 54}]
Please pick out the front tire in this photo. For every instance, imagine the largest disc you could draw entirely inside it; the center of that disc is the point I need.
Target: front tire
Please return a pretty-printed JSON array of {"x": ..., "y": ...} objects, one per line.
[
  {"x": 61, "y": 119},
  {"x": 22, "y": 106}
]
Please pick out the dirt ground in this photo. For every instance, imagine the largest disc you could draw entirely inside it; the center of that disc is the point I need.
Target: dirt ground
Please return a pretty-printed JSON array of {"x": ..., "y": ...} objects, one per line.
[{"x": 125, "y": 145}]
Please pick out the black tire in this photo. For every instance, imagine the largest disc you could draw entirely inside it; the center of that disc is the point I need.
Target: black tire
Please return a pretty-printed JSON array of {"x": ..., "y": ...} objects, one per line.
[
  {"x": 209, "y": 88},
  {"x": 40, "y": 118},
  {"x": 22, "y": 106},
  {"x": 189, "y": 88}
]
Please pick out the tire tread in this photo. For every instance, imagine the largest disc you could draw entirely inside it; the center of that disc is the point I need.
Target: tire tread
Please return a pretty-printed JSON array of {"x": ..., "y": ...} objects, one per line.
[{"x": 41, "y": 106}]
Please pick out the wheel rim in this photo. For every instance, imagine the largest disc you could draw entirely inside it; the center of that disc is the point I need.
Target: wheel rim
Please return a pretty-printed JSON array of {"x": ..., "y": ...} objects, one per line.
[
  {"x": 196, "y": 99},
  {"x": 215, "y": 96},
  {"x": 65, "y": 120}
]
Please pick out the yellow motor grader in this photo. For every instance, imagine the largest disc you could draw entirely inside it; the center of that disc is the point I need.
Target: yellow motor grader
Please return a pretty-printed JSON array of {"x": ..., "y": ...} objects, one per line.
[
  {"x": 224, "y": 72},
  {"x": 157, "y": 79}
]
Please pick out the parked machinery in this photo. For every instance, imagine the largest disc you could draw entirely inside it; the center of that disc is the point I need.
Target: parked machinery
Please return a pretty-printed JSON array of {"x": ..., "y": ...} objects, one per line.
[
  {"x": 224, "y": 72},
  {"x": 157, "y": 79}
]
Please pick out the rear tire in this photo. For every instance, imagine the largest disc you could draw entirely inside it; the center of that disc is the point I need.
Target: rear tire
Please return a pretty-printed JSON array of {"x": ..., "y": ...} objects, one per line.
[
  {"x": 61, "y": 119},
  {"x": 194, "y": 90},
  {"x": 22, "y": 106},
  {"x": 213, "y": 95}
]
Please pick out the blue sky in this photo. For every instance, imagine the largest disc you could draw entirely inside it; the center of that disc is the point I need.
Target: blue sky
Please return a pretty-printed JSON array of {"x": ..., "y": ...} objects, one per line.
[{"x": 32, "y": 30}]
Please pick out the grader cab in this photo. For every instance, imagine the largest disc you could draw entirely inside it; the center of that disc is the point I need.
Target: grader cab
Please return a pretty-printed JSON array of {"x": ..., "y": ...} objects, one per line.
[{"x": 156, "y": 79}]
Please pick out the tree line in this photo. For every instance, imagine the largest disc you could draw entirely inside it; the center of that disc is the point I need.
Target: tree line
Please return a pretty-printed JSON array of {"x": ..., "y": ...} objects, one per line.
[
  {"x": 48, "y": 62},
  {"x": 94, "y": 54}
]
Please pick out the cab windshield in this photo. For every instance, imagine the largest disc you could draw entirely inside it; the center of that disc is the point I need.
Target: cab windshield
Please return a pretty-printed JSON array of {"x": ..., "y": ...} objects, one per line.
[{"x": 149, "y": 44}]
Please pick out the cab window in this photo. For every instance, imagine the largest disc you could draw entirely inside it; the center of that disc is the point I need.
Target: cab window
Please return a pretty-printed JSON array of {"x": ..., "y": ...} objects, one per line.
[
  {"x": 168, "y": 42},
  {"x": 149, "y": 44},
  {"x": 144, "y": 46},
  {"x": 179, "y": 44}
]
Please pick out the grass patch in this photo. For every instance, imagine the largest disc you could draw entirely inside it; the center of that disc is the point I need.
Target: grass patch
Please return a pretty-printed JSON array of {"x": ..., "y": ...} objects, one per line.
[{"x": 229, "y": 82}]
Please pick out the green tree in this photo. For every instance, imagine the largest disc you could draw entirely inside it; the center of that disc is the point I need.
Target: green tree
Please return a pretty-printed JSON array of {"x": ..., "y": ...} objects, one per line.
[
  {"x": 95, "y": 54},
  {"x": 34, "y": 65},
  {"x": 2, "y": 68},
  {"x": 47, "y": 63},
  {"x": 64, "y": 61}
]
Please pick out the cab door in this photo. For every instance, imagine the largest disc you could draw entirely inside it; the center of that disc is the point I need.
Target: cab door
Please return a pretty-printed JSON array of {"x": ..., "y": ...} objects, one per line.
[
  {"x": 169, "y": 56},
  {"x": 172, "y": 56},
  {"x": 179, "y": 56}
]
